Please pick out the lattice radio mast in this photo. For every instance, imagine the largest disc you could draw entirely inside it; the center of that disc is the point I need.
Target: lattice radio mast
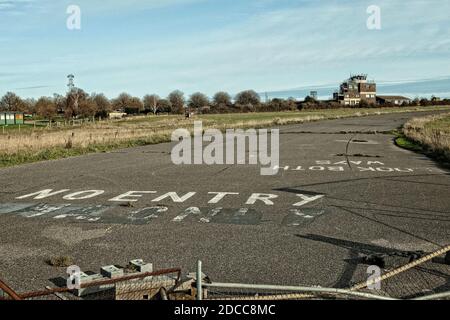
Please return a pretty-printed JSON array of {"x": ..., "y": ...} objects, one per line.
[
  {"x": 73, "y": 93},
  {"x": 71, "y": 84}
]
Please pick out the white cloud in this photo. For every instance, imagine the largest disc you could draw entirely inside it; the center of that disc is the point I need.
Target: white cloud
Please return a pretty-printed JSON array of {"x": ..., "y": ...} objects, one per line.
[{"x": 15, "y": 4}]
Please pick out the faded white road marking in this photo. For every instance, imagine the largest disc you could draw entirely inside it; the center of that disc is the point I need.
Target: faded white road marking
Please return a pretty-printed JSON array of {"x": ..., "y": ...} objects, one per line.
[
  {"x": 187, "y": 212},
  {"x": 147, "y": 213},
  {"x": 44, "y": 209},
  {"x": 210, "y": 215},
  {"x": 301, "y": 217}
]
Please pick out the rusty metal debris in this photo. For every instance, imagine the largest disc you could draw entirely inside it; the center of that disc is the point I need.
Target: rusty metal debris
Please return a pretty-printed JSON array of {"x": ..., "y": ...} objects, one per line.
[
  {"x": 7, "y": 292},
  {"x": 134, "y": 286}
]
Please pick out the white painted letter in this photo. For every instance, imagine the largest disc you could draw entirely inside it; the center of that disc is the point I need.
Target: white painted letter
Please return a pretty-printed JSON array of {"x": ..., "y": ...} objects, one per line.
[
  {"x": 78, "y": 195},
  {"x": 264, "y": 197},
  {"x": 134, "y": 194},
  {"x": 175, "y": 198},
  {"x": 219, "y": 196},
  {"x": 43, "y": 194},
  {"x": 306, "y": 199}
]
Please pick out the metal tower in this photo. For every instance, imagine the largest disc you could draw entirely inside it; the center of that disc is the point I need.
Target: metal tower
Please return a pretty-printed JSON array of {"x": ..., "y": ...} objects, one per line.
[
  {"x": 71, "y": 84},
  {"x": 72, "y": 95}
]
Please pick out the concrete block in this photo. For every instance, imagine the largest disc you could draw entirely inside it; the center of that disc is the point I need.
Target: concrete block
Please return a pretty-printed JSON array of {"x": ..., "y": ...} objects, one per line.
[
  {"x": 141, "y": 266},
  {"x": 111, "y": 272},
  {"x": 86, "y": 279}
]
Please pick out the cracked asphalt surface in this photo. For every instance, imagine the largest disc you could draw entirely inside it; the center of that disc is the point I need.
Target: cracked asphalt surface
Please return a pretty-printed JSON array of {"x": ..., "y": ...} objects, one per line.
[{"x": 366, "y": 196}]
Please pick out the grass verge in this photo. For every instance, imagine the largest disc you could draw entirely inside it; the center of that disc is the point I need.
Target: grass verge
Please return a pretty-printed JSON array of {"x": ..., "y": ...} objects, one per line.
[
  {"x": 427, "y": 135},
  {"x": 405, "y": 143}
]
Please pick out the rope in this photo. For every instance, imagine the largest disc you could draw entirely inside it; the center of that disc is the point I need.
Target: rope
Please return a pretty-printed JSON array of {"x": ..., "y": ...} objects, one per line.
[{"x": 401, "y": 269}]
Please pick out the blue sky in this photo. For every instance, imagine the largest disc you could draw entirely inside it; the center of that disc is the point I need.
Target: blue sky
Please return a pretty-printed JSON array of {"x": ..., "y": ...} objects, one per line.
[{"x": 156, "y": 46}]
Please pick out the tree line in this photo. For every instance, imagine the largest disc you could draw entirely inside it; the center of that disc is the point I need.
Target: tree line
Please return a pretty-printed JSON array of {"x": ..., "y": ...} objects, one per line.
[{"x": 79, "y": 104}]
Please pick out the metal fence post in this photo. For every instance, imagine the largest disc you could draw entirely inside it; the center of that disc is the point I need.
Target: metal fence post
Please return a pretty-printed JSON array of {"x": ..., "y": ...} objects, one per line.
[{"x": 199, "y": 281}]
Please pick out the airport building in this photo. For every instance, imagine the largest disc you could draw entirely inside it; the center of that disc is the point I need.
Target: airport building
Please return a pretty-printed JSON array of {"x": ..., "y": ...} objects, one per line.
[
  {"x": 355, "y": 89},
  {"x": 396, "y": 100}
]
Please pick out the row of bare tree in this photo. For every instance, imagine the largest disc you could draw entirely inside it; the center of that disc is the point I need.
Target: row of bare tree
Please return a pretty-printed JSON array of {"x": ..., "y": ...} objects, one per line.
[
  {"x": 50, "y": 107},
  {"x": 78, "y": 103}
]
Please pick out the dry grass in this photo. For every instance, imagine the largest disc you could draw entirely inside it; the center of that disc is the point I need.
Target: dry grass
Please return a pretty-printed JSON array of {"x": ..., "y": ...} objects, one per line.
[
  {"x": 80, "y": 137},
  {"x": 432, "y": 133},
  {"x": 62, "y": 261},
  {"x": 17, "y": 147}
]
